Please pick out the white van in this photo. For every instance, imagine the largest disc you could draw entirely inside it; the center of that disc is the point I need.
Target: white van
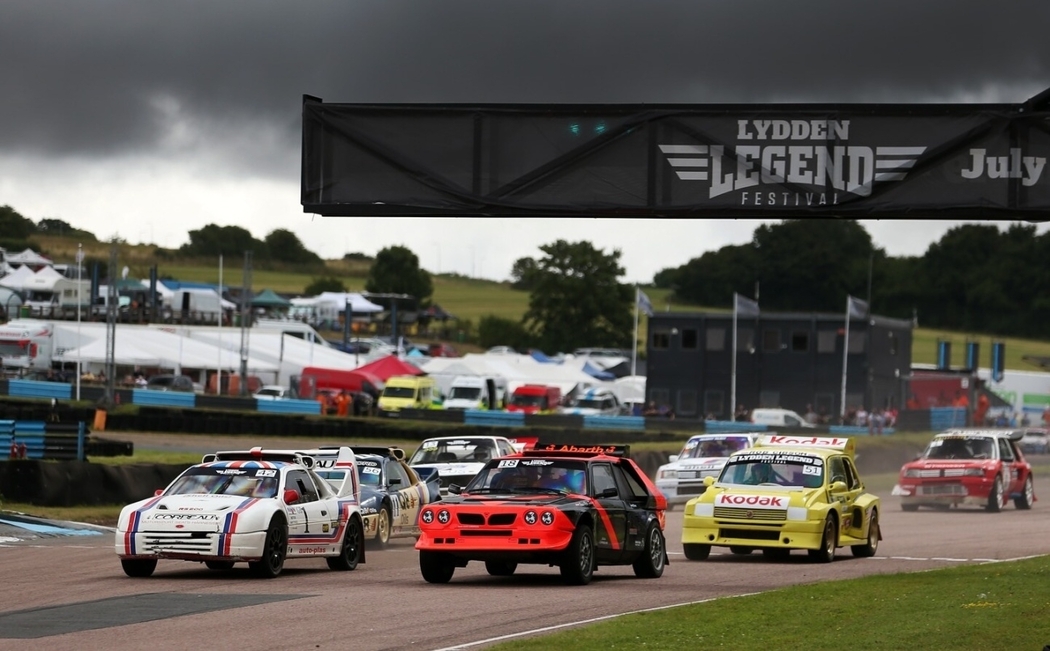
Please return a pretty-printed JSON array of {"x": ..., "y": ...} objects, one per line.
[
  {"x": 476, "y": 392},
  {"x": 778, "y": 418}
]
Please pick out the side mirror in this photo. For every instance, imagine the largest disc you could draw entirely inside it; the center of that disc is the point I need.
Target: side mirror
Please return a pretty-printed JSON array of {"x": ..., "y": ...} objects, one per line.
[
  {"x": 395, "y": 481},
  {"x": 709, "y": 481},
  {"x": 837, "y": 487},
  {"x": 672, "y": 458},
  {"x": 158, "y": 492},
  {"x": 455, "y": 489},
  {"x": 291, "y": 496},
  {"x": 609, "y": 492}
]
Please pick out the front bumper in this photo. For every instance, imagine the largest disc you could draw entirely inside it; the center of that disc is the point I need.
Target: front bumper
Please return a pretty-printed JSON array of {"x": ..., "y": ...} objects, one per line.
[
  {"x": 524, "y": 540},
  {"x": 719, "y": 532},
  {"x": 190, "y": 546},
  {"x": 969, "y": 491}
]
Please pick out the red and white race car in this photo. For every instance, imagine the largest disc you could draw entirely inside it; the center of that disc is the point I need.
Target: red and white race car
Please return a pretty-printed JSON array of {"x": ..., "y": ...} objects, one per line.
[{"x": 975, "y": 467}]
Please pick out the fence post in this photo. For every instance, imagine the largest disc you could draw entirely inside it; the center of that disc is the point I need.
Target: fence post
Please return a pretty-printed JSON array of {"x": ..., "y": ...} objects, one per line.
[{"x": 80, "y": 441}]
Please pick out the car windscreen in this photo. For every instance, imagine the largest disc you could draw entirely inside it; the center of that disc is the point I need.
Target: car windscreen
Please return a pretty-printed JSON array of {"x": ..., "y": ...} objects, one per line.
[
  {"x": 960, "y": 447},
  {"x": 464, "y": 393},
  {"x": 530, "y": 475},
  {"x": 464, "y": 450},
  {"x": 526, "y": 401},
  {"x": 713, "y": 446},
  {"x": 399, "y": 392},
  {"x": 774, "y": 468},
  {"x": 248, "y": 482}
]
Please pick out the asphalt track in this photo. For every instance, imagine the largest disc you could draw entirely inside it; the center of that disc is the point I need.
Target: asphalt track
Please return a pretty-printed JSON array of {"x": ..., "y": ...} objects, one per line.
[{"x": 70, "y": 593}]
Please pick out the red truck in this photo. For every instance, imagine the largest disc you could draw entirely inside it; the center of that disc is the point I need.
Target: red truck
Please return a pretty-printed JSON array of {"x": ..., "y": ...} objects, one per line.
[{"x": 534, "y": 399}]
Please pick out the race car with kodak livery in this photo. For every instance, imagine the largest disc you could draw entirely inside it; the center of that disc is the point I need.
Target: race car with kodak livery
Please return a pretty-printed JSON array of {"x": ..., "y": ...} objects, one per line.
[
  {"x": 257, "y": 506},
  {"x": 571, "y": 507},
  {"x": 973, "y": 467},
  {"x": 785, "y": 493}
]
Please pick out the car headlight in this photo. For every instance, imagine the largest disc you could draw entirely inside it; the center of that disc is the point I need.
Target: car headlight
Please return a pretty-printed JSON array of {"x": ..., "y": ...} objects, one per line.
[
  {"x": 530, "y": 517},
  {"x": 911, "y": 472},
  {"x": 704, "y": 510},
  {"x": 797, "y": 513},
  {"x": 667, "y": 473},
  {"x": 973, "y": 472}
]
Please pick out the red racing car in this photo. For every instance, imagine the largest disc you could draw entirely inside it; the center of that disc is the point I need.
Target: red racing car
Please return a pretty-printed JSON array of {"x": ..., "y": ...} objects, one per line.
[
  {"x": 574, "y": 507},
  {"x": 976, "y": 467}
]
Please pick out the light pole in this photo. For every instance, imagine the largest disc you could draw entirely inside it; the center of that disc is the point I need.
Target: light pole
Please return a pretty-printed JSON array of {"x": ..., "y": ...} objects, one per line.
[{"x": 80, "y": 307}]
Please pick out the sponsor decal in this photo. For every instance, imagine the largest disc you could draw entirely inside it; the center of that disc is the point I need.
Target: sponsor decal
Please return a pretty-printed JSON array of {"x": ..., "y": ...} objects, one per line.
[
  {"x": 752, "y": 501},
  {"x": 324, "y": 528},
  {"x": 186, "y": 517},
  {"x": 265, "y": 473},
  {"x": 537, "y": 462},
  {"x": 507, "y": 463},
  {"x": 230, "y": 471},
  {"x": 370, "y": 470},
  {"x": 817, "y": 441},
  {"x": 770, "y": 456}
]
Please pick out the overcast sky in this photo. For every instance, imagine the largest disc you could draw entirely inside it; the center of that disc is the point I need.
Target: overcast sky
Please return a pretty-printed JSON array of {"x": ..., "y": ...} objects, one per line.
[{"x": 149, "y": 119}]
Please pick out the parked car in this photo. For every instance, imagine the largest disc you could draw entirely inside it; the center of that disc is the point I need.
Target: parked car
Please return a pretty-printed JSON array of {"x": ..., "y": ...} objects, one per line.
[
  {"x": 968, "y": 467},
  {"x": 1035, "y": 440},
  {"x": 778, "y": 418},
  {"x": 272, "y": 392},
  {"x": 575, "y": 507},
  {"x": 256, "y": 506},
  {"x": 785, "y": 493},
  {"x": 173, "y": 383},
  {"x": 595, "y": 402}
]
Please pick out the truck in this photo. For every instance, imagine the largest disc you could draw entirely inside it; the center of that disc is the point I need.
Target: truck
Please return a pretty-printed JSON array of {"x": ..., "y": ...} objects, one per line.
[
  {"x": 476, "y": 392},
  {"x": 26, "y": 344},
  {"x": 534, "y": 399}
]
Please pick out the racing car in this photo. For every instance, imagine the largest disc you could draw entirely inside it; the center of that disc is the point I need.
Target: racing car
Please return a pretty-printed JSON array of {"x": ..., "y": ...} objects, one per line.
[
  {"x": 785, "y": 493},
  {"x": 975, "y": 467},
  {"x": 458, "y": 458},
  {"x": 574, "y": 507},
  {"x": 256, "y": 506},
  {"x": 392, "y": 493},
  {"x": 701, "y": 457}
]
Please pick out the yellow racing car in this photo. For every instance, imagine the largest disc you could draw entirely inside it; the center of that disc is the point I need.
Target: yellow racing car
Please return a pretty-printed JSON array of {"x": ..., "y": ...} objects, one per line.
[{"x": 786, "y": 492}]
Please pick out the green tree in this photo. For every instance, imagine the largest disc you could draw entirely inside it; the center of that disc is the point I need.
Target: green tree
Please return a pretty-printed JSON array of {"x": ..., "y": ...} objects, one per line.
[
  {"x": 498, "y": 331},
  {"x": 523, "y": 274},
  {"x": 324, "y": 284},
  {"x": 214, "y": 240},
  {"x": 14, "y": 226},
  {"x": 396, "y": 270},
  {"x": 578, "y": 299},
  {"x": 62, "y": 228},
  {"x": 284, "y": 246}
]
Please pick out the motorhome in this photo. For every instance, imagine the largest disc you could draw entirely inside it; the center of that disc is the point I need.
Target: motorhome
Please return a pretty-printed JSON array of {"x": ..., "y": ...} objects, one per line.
[
  {"x": 534, "y": 399},
  {"x": 476, "y": 392}
]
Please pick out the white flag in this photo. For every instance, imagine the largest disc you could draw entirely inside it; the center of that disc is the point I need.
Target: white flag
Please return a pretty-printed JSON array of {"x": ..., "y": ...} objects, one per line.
[
  {"x": 644, "y": 304},
  {"x": 744, "y": 306},
  {"x": 857, "y": 309}
]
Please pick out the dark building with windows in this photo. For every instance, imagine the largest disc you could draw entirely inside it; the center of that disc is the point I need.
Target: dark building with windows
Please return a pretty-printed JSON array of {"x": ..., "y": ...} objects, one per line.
[{"x": 786, "y": 360}]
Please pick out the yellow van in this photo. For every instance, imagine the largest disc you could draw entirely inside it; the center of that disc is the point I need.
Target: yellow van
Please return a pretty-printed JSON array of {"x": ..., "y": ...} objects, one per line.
[{"x": 408, "y": 392}]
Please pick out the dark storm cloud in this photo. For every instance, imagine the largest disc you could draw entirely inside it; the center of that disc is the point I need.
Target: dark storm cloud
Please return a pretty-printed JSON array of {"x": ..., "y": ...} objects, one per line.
[{"x": 118, "y": 77}]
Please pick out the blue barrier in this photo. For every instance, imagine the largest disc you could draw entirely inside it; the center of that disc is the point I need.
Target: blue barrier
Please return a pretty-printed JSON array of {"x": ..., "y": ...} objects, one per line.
[
  {"x": 148, "y": 398},
  {"x": 942, "y": 418},
  {"x": 288, "y": 407},
  {"x": 37, "y": 389},
  {"x": 632, "y": 423},
  {"x": 732, "y": 426},
  {"x": 494, "y": 418}
]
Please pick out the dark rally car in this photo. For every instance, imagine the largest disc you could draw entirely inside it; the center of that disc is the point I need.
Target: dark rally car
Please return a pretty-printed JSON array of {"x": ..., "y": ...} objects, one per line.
[{"x": 574, "y": 507}]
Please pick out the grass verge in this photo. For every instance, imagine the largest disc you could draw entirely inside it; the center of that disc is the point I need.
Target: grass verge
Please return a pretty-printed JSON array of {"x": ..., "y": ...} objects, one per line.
[{"x": 989, "y": 606}]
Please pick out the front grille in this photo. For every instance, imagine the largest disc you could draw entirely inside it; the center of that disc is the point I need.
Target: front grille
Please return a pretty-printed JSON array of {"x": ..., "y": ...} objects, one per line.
[
  {"x": 691, "y": 489},
  {"x": 749, "y": 534},
  {"x": 943, "y": 489},
  {"x": 470, "y": 518},
  {"x": 483, "y": 533},
  {"x": 180, "y": 542},
  {"x": 502, "y": 519},
  {"x": 766, "y": 515}
]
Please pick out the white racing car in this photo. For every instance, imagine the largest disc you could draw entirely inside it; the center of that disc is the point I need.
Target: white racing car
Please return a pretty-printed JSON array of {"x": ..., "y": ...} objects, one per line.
[
  {"x": 702, "y": 456},
  {"x": 458, "y": 458},
  {"x": 256, "y": 506}
]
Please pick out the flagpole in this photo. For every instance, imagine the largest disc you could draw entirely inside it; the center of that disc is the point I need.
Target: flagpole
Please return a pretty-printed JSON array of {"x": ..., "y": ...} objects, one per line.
[
  {"x": 732, "y": 393},
  {"x": 845, "y": 353},
  {"x": 218, "y": 367},
  {"x": 634, "y": 341}
]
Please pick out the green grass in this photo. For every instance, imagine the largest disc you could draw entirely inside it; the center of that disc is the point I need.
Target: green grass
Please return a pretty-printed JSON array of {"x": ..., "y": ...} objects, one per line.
[{"x": 991, "y": 606}]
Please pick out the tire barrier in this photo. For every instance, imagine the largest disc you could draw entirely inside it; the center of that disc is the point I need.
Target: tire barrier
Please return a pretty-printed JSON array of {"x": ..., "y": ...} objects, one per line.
[
  {"x": 43, "y": 440},
  {"x": 82, "y": 484}
]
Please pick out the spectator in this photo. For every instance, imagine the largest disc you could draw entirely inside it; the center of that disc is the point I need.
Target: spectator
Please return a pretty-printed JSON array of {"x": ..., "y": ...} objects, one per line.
[
  {"x": 981, "y": 411},
  {"x": 861, "y": 417},
  {"x": 875, "y": 422},
  {"x": 742, "y": 415},
  {"x": 811, "y": 416},
  {"x": 1046, "y": 416},
  {"x": 650, "y": 409}
]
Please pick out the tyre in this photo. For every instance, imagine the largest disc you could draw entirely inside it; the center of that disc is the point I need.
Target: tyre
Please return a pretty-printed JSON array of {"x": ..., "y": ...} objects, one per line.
[
  {"x": 828, "y": 543},
  {"x": 651, "y": 562},
  {"x": 138, "y": 567},
  {"x": 436, "y": 567},
  {"x": 499, "y": 568},
  {"x": 352, "y": 550},
  {"x": 219, "y": 566},
  {"x": 383, "y": 518},
  {"x": 868, "y": 549},
  {"x": 909, "y": 507},
  {"x": 741, "y": 551},
  {"x": 695, "y": 552},
  {"x": 275, "y": 547},
  {"x": 577, "y": 566},
  {"x": 1024, "y": 501},
  {"x": 997, "y": 497}
]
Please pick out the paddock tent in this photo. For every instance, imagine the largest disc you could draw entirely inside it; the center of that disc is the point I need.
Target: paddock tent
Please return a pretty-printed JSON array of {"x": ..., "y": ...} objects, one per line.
[
  {"x": 288, "y": 353},
  {"x": 386, "y": 367},
  {"x": 517, "y": 369},
  {"x": 16, "y": 280}
]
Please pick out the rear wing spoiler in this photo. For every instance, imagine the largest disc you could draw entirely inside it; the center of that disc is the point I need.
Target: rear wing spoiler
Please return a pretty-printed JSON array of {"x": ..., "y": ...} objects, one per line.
[
  {"x": 522, "y": 443},
  {"x": 259, "y": 454},
  {"x": 839, "y": 443},
  {"x": 571, "y": 450},
  {"x": 391, "y": 451}
]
